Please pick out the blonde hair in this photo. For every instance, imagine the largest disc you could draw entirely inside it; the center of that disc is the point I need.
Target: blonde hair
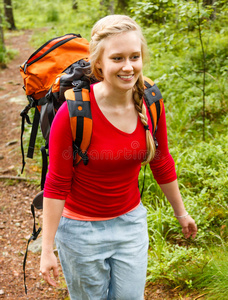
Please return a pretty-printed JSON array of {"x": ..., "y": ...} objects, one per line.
[{"x": 113, "y": 25}]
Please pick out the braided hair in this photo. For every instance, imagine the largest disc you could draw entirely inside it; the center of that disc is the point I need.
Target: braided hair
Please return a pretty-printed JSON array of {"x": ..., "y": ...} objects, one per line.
[{"x": 141, "y": 109}]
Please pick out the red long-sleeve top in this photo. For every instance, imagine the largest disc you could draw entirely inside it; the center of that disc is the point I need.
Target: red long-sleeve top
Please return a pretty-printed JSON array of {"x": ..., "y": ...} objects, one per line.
[{"x": 108, "y": 186}]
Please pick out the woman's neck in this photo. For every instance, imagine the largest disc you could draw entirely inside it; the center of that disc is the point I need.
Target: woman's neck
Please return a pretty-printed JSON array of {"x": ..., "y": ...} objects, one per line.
[
  {"x": 118, "y": 108},
  {"x": 113, "y": 98}
]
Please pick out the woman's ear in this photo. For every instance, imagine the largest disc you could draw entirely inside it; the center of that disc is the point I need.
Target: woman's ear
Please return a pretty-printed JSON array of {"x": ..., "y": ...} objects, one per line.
[
  {"x": 98, "y": 64},
  {"x": 99, "y": 69}
]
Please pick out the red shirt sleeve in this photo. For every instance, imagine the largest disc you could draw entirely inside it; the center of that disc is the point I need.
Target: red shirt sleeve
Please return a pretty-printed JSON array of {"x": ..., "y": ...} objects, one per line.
[
  {"x": 162, "y": 166},
  {"x": 59, "y": 176}
]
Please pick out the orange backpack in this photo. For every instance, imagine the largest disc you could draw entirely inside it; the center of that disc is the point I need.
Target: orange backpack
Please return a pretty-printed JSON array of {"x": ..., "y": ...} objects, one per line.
[{"x": 56, "y": 66}]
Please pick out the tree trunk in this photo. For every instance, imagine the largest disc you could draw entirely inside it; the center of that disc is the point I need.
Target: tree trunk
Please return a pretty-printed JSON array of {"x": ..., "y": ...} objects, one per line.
[
  {"x": 208, "y": 2},
  {"x": 8, "y": 8},
  {"x": 122, "y": 6},
  {"x": 211, "y": 3},
  {"x": 111, "y": 7},
  {"x": 107, "y": 6},
  {"x": 2, "y": 44},
  {"x": 75, "y": 4}
]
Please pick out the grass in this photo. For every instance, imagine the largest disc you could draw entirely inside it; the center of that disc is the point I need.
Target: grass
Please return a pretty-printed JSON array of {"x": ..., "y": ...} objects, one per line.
[
  {"x": 213, "y": 278},
  {"x": 6, "y": 56}
]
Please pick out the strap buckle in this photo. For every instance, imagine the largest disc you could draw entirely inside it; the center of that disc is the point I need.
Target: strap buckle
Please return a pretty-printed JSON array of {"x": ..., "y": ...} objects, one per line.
[{"x": 83, "y": 155}]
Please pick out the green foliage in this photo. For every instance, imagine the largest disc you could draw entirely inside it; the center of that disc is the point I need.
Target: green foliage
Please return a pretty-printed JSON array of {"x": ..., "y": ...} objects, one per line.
[
  {"x": 213, "y": 278},
  {"x": 158, "y": 11},
  {"x": 204, "y": 176},
  {"x": 2, "y": 46},
  {"x": 57, "y": 18},
  {"x": 52, "y": 15},
  {"x": 2, "y": 54},
  {"x": 175, "y": 265},
  {"x": 203, "y": 179},
  {"x": 176, "y": 67},
  {"x": 6, "y": 55},
  {"x": 190, "y": 268}
]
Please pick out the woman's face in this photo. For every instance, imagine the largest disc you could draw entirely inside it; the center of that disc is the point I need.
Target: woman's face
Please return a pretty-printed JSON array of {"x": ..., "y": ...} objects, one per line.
[{"x": 121, "y": 61}]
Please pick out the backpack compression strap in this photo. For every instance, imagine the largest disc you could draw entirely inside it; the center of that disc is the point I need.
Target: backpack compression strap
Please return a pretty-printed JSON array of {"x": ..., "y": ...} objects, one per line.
[
  {"x": 33, "y": 237},
  {"x": 78, "y": 101},
  {"x": 154, "y": 102}
]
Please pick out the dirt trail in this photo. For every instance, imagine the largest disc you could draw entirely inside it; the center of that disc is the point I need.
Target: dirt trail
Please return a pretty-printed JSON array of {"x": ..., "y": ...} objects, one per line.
[{"x": 16, "y": 220}]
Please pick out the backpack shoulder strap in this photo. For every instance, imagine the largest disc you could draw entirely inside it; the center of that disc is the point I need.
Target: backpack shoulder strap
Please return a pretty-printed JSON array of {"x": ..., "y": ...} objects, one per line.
[
  {"x": 154, "y": 101},
  {"x": 78, "y": 102}
]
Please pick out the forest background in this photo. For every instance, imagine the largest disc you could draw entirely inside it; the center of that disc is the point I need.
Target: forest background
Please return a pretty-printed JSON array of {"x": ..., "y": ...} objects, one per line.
[{"x": 188, "y": 49}]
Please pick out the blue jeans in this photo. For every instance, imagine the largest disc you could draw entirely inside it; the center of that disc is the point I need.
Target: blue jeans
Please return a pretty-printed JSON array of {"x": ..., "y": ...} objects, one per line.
[{"x": 105, "y": 260}]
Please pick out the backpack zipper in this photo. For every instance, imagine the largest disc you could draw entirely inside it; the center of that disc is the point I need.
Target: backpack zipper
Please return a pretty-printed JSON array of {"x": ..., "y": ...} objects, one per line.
[{"x": 60, "y": 43}]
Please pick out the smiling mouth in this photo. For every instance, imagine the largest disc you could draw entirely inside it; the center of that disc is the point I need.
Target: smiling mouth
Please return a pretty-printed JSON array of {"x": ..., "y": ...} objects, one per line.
[{"x": 125, "y": 76}]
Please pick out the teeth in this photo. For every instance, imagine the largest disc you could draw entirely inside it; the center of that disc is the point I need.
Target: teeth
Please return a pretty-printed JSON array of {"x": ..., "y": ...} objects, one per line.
[{"x": 125, "y": 76}]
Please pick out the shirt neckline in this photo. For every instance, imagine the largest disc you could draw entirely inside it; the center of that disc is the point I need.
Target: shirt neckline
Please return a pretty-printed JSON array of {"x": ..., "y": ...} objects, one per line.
[{"x": 107, "y": 121}]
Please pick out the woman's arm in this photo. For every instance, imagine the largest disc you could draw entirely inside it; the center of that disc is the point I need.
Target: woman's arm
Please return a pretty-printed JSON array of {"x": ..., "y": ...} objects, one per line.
[
  {"x": 57, "y": 187},
  {"x": 163, "y": 166},
  {"x": 172, "y": 193},
  {"x": 52, "y": 211},
  {"x": 163, "y": 169}
]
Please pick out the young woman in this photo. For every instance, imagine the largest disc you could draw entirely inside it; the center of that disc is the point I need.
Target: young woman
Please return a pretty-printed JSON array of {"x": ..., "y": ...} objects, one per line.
[{"x": 94, "y": 211}]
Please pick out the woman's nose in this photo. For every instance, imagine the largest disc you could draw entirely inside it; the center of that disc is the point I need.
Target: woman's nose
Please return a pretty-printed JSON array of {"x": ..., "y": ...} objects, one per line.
[{"x": 127, "y": 66}]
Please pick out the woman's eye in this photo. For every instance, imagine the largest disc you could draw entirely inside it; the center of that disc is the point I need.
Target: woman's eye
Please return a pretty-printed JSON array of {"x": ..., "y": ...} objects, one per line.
[
  {"x": 135, "y": 57},
  {"x": 117, "y": 58}
]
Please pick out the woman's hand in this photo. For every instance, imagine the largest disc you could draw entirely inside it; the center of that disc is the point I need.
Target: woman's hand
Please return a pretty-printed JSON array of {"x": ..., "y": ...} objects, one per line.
[
  {"x": 172, "y": 193},
  {"x": 189, "y": 227},
  {"x": 52, "y": 211},
  {"x": 48, "y": 263}
]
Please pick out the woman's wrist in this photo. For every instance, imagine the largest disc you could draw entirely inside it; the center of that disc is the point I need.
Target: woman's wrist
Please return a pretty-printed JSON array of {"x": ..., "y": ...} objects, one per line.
[
  {"x": 47, "y": 248},
  {"x": 182, "y": 216}
]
